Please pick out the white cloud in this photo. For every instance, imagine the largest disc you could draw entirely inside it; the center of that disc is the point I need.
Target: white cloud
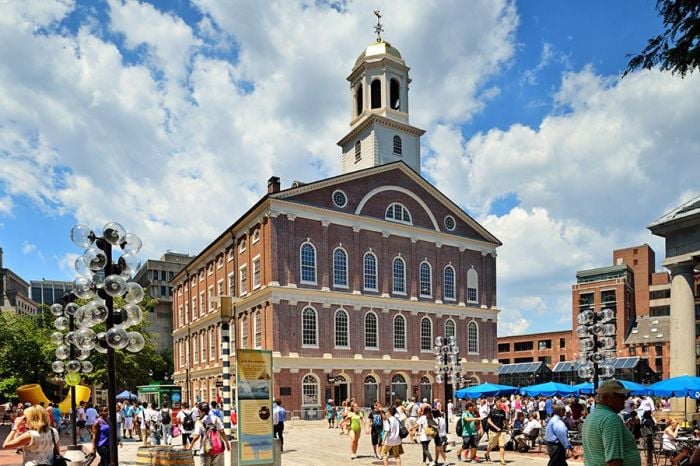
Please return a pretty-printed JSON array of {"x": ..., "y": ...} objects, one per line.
[{"x": 28, "y": 248}]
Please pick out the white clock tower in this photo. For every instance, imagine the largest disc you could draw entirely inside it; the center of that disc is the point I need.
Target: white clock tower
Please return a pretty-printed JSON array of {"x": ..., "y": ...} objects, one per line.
[{"x": 379, "y": 129}]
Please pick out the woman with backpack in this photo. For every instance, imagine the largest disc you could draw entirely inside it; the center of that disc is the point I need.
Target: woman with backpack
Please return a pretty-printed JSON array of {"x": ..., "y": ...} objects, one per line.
[
  {"x": 186, "y": 418},
  {"x": 209, "y": 431},
  {"x": 166, "y": 421}
]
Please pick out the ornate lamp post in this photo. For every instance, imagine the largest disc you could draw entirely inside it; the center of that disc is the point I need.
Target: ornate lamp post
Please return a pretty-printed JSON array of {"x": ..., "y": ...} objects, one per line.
[
  {"x": 596, "y": 332},
  {"x": 100, "y": 281},
  {"x": 448, "y": 369}
]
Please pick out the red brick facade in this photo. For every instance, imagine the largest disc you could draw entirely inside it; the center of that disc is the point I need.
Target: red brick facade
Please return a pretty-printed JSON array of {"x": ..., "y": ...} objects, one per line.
[{"x": 548, "y": 347}]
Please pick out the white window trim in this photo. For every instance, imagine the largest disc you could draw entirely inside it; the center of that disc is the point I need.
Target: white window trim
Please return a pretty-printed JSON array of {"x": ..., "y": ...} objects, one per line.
[
  {"x": 256, "y": 236},
  {"x": 231, "y": 275},
  {"x": 335, "y": 328},
  {"x": 376, "y": 331},
  {"x": 255, "y": 287},
  {"x": 301, "y": 273},
  {"x": 210, "y": 298},
  {"x": 257, "y": 321},
  {"x": 195, "y": 348},
  {"x": 318, "y": 390},
  {"x": 420, "y": 335},
  {"x": 405, "y": 333},
  {"x": 430, "y": 280},
  {"x": 301, "y": 316},
  {"x": 202, "y": 303},
  {"x": 242, "y": 245},
  {"x": 220, "y": 262},
  {"x": 405, "y": 285},
  {"x": 241, "y": 291},
  {"x": 454, "y": 284},
  {"x": 347, "y": 272},
  {"x": 333, "y": 198},
  {"x": 230, "y": 254},
  {"x": 469, "y": 338},
  {"x": 211, "y": 334},
  {"x": 444, "y": 326},
  {"x": 220, "y": 287},
  {"x": 476, "y": 301},
  {"x": 195, "y": 309},
  {"x": 201, "y": 275},
  {"x": 203, "y": 347},
  {"x": 376, "y": 272},
  {"x": 391, "y": 206},
  {"x": 210, "y": 269},
  {"x": 454, "y": 223}
]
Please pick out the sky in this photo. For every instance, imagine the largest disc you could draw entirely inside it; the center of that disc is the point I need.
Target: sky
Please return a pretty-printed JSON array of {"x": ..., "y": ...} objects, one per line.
[{"x": 169, "y": 117}]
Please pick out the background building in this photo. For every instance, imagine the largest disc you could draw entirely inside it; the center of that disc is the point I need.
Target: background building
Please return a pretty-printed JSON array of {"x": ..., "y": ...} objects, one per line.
[
  {"x": 155, "y": 277},
  {"x": 14, "y": 292},
  {"x": 49, "y": 291},
  {"x": 549, "y": 348},
  {"x": 347, "y": 280}
]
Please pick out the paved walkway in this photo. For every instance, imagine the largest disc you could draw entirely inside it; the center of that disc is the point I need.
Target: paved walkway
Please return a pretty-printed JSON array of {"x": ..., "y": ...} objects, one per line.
[{"x": 311, "y": 443}]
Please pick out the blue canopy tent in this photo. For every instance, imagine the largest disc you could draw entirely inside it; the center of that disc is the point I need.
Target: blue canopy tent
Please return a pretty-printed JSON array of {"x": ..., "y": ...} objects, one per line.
[
  {"x": 681, "y": 386},
  {"x": 126, "y": 395},
  {"x": 636, "y": 388},
  {"x": 549, "y": 389},
  {"x": 485, "y": 390}
]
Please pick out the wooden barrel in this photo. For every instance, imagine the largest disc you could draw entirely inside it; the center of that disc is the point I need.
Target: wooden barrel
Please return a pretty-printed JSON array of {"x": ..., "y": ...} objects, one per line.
[
  {"x": 174, "y": 457},
  {"x": 148, "y": 455}
]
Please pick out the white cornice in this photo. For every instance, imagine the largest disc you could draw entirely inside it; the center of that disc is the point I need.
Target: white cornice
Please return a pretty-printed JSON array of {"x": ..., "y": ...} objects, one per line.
[
  {"x": 396, "y": 364},
  {"x": 373, "y": 118}
]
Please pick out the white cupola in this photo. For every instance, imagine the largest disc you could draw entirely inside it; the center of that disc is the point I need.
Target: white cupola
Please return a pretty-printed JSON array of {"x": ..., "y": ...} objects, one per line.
[{"x": 379, "y": 129}]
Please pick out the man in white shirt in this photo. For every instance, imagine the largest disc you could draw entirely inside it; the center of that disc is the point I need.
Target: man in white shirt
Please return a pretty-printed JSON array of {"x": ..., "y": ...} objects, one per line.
[
  {"x": 91, "y": 416},
  {"x": 392, "y": 440},
  {"x": 206, "y": 423},
  {"x": 522, "y": 438}
]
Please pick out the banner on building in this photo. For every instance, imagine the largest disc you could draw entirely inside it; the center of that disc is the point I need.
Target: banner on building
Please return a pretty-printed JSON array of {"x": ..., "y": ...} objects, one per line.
[{"x": 254, "y": 401}]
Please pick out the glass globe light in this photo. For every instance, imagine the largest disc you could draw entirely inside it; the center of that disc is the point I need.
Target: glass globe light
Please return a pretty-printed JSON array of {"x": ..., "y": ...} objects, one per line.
[
  {"x": 136, "y": 342},
  {"x": 597, "y": 329},
  {"x": 134, "y": 293},
  {"x": 101, "y": 345},
  {"x": 451, "y": 379},
  {"x": 453, "y": 359},
  {"x": 58, "y": 367},
  {"x": 86, "y": 366},
  {"x": 451, "y": 340},
  {"x": 73, "y": 366},
  {"x": 129, "y": 264},
  {"x": 455, "y": 349},
  {"x": 82, "y": 287},
  {"x": 81, "y": 268},
  {"x": 87, "y": 339},
  {"x": 438, "y": 378},
  {"x": 83, "y": 316},
  {"x": 117, "y": 338},
  {"x": 436, "y": 350},
  {"x": 56, "y": 309},
  {"x": 57, "y": 338},
  {"x": 61, "y": 323},
  {"x": 607, "y": 343},
  {"x": 120, "y": 317},
  {"x": 71, "y": 309},
  {"x": 114, "y": 285},
  {"x": 95, "y": 258},
  {"x": 597, "y": 358},
  {"x": 606, "y": 315},
  {"x": 134, "y": 314},
  {"x": 585, "y": 372},
  {"x": 98, "y": 311},
  {"x": 131, "y": 244},
  {"x": 62, "y": 352},
  {"x": 444, "y": 349},
  {"x": 586, "y": 344},
  {"x": 582, "y": 331},
  {"x": 71, "y": 338},
  {"x": 113, "y": 233},
  {"x": 606, "y": 371},
  {"x": 609, "y": 330},
  {"x": 82, "y": 236},
  {"x": 585, "y": 318},
  {"x": 83, "y": 355},
  {"x": 439, "y": 341}
]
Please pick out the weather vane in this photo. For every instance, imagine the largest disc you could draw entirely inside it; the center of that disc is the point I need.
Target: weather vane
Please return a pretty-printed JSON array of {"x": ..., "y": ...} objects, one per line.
[{"x": 378, "y": 28}]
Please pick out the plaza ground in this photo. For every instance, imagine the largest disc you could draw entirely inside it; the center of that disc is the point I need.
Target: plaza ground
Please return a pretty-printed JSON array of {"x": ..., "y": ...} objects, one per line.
[{"x": 311, "y": 443}]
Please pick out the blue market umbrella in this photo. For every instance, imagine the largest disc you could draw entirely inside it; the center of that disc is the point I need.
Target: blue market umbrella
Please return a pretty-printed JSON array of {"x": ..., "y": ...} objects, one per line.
[
  {"x": 585, "y": 387},
  {"x": 485, "y": 390},
  {"x": 634, "y": 387},
  {"x": 126, "y": 395},
  {"x": 681, "y": 386},
  {"x": 549, "y": 389}
]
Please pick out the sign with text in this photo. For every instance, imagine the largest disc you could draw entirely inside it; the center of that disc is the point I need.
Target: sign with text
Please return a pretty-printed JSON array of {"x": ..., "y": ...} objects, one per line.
[{"x": 254, "y": 401}]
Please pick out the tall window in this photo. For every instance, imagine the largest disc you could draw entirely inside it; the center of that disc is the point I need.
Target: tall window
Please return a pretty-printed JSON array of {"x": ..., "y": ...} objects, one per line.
[
  {"x": 473, "y": 340},
  {"x": 310, "y": 391},
  {"x": 341, "y": 329},
  {"x": 450, "y": 328},
  {"x": 258, "y": 329},
  {"x": 308, "y": 263},
  {"x": 340, "y": 268},
  {"x": 203, "y": 347},
  {"x": 244, "y": 332},
  {"x": 399, "y": 275},
  {"x": 448, "y": 283},
  {"x": 400, "y": 332},
  {"x": 256, "y": 273},
  {"x": 309, "y": 327},
  {"x": 426, "y": 334},
  {"x": 397, "y": 145},
  {"x": 194, "y": 308},
  {"x": 394, "y": 95},
  {"x": 195, "y": 348},
  {"x": 212, "y": 349},
  {"x": 370, "y": 272},
  {"x": 358, "y": 100},
  {"x": 376, "y": 91},
  {"x": 371, "y": 330},
  {"x": 425, "y": 279},
  {"x": 397, "y": 212},
  {"x": 358, "y": 151},
  {"x": 231, "y": 284},
  {"x": 472, "y": 286},
  {"x": 243, "y": 274}
]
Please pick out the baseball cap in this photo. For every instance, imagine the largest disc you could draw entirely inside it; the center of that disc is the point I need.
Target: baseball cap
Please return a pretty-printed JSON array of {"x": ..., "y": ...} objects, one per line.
[
  {"x": 27, "y": 405},
  {"x": 612, "y": 386}
]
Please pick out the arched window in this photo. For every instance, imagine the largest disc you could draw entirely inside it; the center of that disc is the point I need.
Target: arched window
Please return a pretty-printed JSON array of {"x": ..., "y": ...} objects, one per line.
[
  {"x": 473, "y": 338},
  {"x": 472, "y": 286},
  {"x": 371, "y": 390},
  {"x": 399, "y": 275},
  {"x": 308, "y": 263},
  {"x": 342, "y": 339},
  {"x": 425, "y": 275},
  {"x": 370, "y": 272},
  {"x": 371, "y": 337},
  {"x": 340, "y": 268},
  {"x": 400, "y": 332},
  {"x": 450, "y": 330},
  {"x": 398, "y": 150},
  {"x": 399, "y": 388},
  {"x": 358, "y": 100},
  {"x": 426, "y": 388},
  {"x": 310, "y": 391},
  {"x": 394, "y": 95},
  {"x": 426, "y": 334},
  {"x": 397, "y": 212},
  {"x": 358, "y": 151},
  {"x": 309, "y": 327},
  {"x": 448, "y": 282},
  {"x": 376, "y": 91}
]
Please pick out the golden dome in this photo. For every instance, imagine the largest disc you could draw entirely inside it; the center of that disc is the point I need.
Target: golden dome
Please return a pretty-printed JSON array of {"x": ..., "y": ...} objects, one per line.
[{"x": 377, "y": 49}]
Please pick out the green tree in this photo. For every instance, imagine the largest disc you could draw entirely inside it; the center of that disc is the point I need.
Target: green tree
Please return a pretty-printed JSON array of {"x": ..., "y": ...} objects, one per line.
[{"x": 678, "y": 48}]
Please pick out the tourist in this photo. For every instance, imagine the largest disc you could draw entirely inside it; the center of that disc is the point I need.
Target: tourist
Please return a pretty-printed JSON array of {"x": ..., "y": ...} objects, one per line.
[
  {"x": 606, "y": 440},
  {"x": 497, "y": 423},
  {"x": 209, "y": 424},
  {"x": 91, "y": 416},
  {"x": 166, "y": 421},
  {"x": 354, "y": 420},
  {"x": 450, "y": 410},
  {"x": 330, "y": 413},
  {"x": 532, "y": 424},
  {"x": 668, "y": 442},
  {"x": 392, "y": 441},
  {"x": 186, "y": 418},
  {"x": 100, "y": 436},
  {"x": 279, "y": 415},
  {"x": 441, "y": 437},
  {"x": 128, "y": 413},
  {"x": 469, "y": 434},
  {"x": 557, "y": 437},
  {"x": 427, "y": 430},
  {"x": 375, "y": 427},
  {"x": 81, "y": 422},
  {"x": 32, "y": 432},
  {"x": 413, "y": 410}
]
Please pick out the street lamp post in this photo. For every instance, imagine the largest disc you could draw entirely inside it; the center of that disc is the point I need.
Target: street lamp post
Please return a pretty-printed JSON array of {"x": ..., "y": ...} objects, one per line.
[
  {"x": 596, "y": 332},
  {"x": 448, "y": 369}
]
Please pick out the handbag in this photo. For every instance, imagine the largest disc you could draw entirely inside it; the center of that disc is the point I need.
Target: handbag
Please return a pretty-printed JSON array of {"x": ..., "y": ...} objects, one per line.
[
  {"x": 58, "y": 460},
  {"x": 176, "y": 431}
]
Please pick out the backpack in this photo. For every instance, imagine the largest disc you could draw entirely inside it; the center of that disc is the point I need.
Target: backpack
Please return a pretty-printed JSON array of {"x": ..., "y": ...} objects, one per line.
[
  {"x": 403, "y": 431},
  {"x": 459, "y": 427},
  {"x": 213, "y": 445},
  {"x": 188, "y": 422},
  {"x": 165, "y": 416},
  {"x": 377, "y": 421}
]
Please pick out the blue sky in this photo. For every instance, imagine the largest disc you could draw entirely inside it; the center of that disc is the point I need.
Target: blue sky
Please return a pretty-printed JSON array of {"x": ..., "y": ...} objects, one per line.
[{"x": 170, "y": 116}]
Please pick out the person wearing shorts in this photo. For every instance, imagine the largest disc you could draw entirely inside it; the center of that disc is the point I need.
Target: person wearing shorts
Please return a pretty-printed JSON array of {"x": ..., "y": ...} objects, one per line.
[
  {"x": 375, "y": 423},
  {"x": 470, "y": 437},
  {"x": 497, "y": 427},
  {"x": 392, "y": 440},
  {"x": 81, "y": 421}
]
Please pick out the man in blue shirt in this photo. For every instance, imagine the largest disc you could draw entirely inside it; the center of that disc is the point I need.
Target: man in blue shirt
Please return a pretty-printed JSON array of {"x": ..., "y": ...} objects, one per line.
[
  {"x": 548, "y": 407},
  {"x": 557, "y": 437}
]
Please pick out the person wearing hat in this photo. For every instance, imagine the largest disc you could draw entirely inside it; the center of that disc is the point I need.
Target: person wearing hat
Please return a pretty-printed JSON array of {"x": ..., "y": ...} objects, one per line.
[
  {"x": 606, "y": 440},
  {"x": 557, "y": 436}
]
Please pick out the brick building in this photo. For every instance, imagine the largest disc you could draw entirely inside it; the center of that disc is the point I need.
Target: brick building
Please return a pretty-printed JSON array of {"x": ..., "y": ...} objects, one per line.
[
  {"x": 347, "y": 280},
  {"x": 548, "y": 347},
  {"x": 14, "y": 292}
]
